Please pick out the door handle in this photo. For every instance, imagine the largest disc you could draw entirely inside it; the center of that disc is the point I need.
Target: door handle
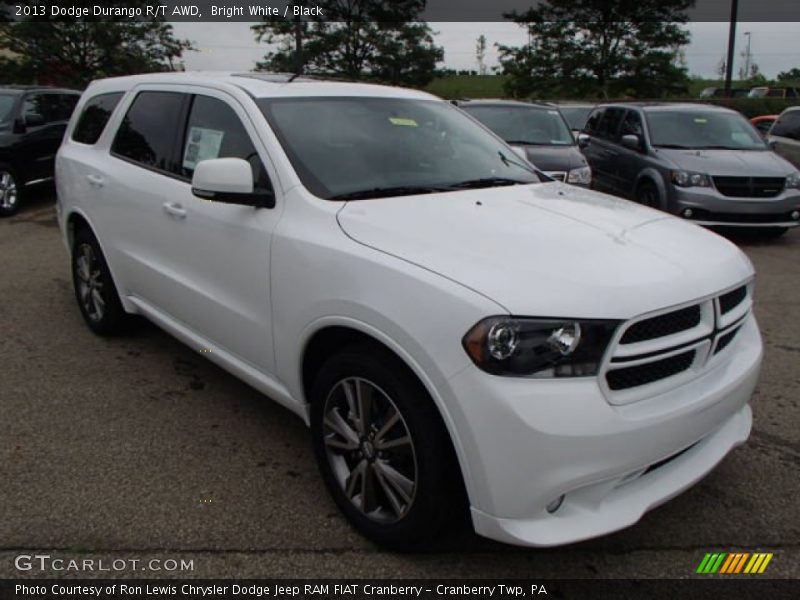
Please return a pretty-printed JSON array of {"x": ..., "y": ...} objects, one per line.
[
  {"x": 95, "y": 180},
  {"x": 175, "y": 209}
]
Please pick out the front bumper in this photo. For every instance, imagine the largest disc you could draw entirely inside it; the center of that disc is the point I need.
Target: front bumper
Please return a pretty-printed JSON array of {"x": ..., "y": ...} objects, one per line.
[
  {"x": 710, "y": 208},
  {"x": 527, "y": 442}
]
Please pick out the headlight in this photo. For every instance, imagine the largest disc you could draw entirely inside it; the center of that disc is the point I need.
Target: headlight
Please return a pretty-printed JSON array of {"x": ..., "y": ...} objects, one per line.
[
  {"x": 539, "y": 347},
  {"x": 690, "y": 179},
  {"x": 793, "y": 181},
  {"x": 582, "y": 175}
]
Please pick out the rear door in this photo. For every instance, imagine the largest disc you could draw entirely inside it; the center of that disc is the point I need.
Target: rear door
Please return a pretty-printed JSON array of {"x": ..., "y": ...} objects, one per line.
[
  {"x": 785, "y": 136},
  {"x": 40, "y": 142}
]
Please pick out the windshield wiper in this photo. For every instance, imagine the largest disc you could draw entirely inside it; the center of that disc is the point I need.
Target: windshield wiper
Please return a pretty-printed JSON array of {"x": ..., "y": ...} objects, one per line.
[
  {"x": 485, "y": 182},
  {"x": 383, "y": 192},
  {"x": 676, "y": 147}
]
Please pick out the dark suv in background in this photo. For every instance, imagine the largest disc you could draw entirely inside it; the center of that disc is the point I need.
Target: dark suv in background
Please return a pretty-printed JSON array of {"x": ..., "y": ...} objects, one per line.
[
  {"x": 32, "y": 124},
  {"x": 705, "y": 163},
  {"x": 537, "y": 131}
]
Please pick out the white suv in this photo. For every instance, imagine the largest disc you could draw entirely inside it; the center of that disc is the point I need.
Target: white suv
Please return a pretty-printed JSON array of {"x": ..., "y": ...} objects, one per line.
[{"x": 458, "y": 331}]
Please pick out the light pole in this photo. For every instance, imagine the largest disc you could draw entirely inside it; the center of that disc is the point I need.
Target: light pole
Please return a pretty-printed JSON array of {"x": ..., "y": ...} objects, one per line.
[
  {"x": 747, "y": 57},
  {"x": 731, "y": 45}
]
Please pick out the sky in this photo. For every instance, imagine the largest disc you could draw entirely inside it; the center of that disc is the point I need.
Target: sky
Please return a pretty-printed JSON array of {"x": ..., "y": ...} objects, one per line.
[{"x": 774, "y": 46}]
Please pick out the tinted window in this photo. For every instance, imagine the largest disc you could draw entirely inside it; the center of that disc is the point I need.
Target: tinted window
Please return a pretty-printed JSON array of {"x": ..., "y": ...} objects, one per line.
[
  {"x": 343, "y": 147},
  {"x": 787, "y": 125},
  {"x": 524, "y": 124},
  {"x": 147, "y": 133},
  {"x": 35, "y": 105},
  {"x": 63, "y": 105},
  {"x": 215, "y": 131},
  {"x": 6, "y": 106},
  {"x": 594, "y": 121},
  {"x": 575, "y": 115},
  {"x": 609, "y": 123},
  {"x": 632, "y": 125},
  {"x": 94, "y": 117}
]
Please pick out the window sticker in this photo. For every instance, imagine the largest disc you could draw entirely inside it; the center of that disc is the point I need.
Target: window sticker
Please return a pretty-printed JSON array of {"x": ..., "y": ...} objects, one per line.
[
  {"x": 403, "y": 122},
  {"x": 201, "y": 144},
  {"x": 700, "y": 120}
]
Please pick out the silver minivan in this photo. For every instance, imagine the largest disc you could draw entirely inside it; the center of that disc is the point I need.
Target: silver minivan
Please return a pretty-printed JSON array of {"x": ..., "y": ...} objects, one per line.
[{"x": 705, "y": 163}]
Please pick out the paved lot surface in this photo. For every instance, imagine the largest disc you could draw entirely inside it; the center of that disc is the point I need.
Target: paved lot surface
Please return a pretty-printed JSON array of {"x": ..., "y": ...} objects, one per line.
[{"x": 140, "y": 448}]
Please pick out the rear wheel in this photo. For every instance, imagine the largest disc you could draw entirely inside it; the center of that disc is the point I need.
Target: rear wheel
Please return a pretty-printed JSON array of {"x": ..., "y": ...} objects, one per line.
[
  {"x": 383, "y": 450},
  {"x": 647, "y": 194},
  {"x": 10, "y": 193},
  {"x": 95, "y": 291}
]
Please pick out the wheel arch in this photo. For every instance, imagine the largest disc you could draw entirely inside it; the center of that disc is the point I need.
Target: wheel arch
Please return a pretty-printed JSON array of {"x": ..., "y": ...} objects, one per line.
[
  {"x": 653, "y": 177},
  {"x": 329, "y": 335}
]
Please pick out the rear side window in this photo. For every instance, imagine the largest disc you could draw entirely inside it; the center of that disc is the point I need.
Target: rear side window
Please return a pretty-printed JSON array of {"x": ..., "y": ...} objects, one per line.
[
  {"x": 147, "y": 133},
  {"x": 94, "y": 117},
  {"x": 787, "y": 125},
  {"x": 215, "y": 131}
]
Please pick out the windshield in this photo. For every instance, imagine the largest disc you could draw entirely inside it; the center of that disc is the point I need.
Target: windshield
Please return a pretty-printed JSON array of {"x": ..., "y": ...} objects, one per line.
[
  {"x": 576, "y": 116},
  {"x": 6, "y": 106},
  {"x": 702, "y": 129},
  {"x": 524, "y": 124},
  {"x": 349, "y": 148}
]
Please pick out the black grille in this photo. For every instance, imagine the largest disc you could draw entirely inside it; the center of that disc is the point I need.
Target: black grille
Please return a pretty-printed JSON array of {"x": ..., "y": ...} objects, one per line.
[
  {"x": 729, "y": 301},
  {"x": 663, "y": 325},
  {"x": 750, "y": 187},
  {"x": 724, "y": 340},
  {"x": 629, "y": 377}
]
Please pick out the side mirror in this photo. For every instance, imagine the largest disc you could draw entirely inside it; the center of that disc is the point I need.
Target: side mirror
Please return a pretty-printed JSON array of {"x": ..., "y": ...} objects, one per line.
[
  {"x": 229, "y": 180},
  {"x": 583, "y": 140},
  {"x": 632, "y": 141},
  {"x": 34, "y": 120}
]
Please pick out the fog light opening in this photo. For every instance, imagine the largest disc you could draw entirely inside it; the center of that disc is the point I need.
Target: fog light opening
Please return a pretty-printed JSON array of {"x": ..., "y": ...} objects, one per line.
[
  {"x": 795, "y": 215},
  {"x": 555, "y": 504},
  {"x": 687, "y": 213}
]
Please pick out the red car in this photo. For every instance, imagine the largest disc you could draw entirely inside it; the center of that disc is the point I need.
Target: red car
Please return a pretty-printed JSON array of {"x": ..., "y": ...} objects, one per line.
[{"x": 763, "y": 123}]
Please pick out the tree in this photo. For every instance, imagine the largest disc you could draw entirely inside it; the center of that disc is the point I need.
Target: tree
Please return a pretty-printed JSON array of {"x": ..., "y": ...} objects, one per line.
[
  {"x": 75, "y": 52},
  {"x": 721, "y": 69},
  {"x": 582, "y": 48},
  {"x": 790, "y": 75},
  {"x": 480, "y": 54},
  {"x": 383, "y": 40}
]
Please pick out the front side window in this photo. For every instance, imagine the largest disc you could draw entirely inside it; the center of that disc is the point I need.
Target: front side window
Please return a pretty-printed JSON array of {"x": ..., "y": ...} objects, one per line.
[
  {"x": 787, "y": 125},
  {"x": 524, "y": 125},
  {"x": 702, "y": 129},
  {"x": 35, "y": 107},
  {"x": 6, "y": 107},
  {"x": 94, "y": 117},
  {"x": 609, "y": 124},
  {"x": 632, "y": 125},
  {"x": 147, "y": 133},
  {"x": 362, "y": 147},
  {"x": 215, "y": 131},
  {"x": 593, "y": 122}
]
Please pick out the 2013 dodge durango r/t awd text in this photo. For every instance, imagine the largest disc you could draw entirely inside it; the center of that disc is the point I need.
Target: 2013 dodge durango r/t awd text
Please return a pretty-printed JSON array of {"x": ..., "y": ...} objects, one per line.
[{"x": 457, "y": 331}]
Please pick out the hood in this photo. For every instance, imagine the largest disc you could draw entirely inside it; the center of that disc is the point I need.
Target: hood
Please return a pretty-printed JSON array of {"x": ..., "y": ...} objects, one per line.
[
  {"x": 742, "y": 163},
  {"x": 554, "y": 158},
  {"x": 551, "y": 249}
]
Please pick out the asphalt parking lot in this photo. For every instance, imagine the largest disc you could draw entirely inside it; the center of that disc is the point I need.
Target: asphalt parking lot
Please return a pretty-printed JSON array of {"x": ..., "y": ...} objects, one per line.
[{"x": 138, "y": 447}]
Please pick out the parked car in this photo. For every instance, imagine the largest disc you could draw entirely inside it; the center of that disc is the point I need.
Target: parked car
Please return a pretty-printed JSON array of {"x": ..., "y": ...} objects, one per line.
[
  {"x": 32, "y": 123},
  {"x": 705, "y": 163},
  {"x": 784, "y": 137},
  {"x": 576, "y": 114},
  {"x": 456, "y": 331},
  {"x": 718, "y": 92},
  {"x": 538, "y": 132},
  {"x": 763, "y": 123},
  {"x": 774, "y": 92}
]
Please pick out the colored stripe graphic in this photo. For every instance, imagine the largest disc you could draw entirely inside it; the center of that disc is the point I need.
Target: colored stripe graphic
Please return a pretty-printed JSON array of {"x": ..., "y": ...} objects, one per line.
[{"x": 734, "y": 562}]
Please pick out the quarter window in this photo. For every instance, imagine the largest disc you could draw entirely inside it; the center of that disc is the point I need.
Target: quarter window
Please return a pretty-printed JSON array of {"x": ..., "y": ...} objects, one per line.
[
  {"x": 147, "y": 133},
  {"x": 94, "y": 117},
  {"x": 215, "y": 131}
]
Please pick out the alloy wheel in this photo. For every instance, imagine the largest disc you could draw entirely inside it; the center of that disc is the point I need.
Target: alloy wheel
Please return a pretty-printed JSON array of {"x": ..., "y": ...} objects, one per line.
[
  {"x": 90, "y": 282},
  {"x": 8, "y": 191},
  {"x": 370, "y": 450}
]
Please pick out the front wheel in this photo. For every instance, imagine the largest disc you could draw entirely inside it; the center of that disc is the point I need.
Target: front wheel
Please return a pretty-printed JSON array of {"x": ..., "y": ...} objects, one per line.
[
  {"x": 647, "y": 194},
  {"x": 10, "y": 193},
  {"x": 383, "y": 450}
]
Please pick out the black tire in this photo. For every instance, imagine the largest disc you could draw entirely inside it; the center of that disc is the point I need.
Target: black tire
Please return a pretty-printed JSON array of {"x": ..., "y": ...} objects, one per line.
[
  {"x": 438, "y": 500},
  {"x": 647, "y": 195},
  {"x": 95, "y": 291},
  {"x": 10, "y": 190}
]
